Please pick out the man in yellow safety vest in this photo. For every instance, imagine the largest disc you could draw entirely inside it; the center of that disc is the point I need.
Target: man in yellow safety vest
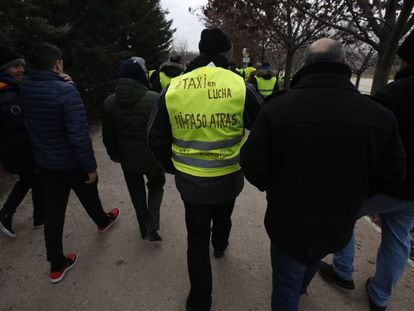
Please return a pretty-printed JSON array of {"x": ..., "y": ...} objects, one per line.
[
  {"x": 248, "y": 71},
  {"x": 196, "y": 131},
  {"x": 161, "y": 78},
  {"x": 265, "y": 80}
]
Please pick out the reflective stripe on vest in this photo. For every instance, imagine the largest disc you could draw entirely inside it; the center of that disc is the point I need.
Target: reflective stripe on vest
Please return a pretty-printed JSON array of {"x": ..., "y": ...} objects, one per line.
[
  {"x": 205, "y": 108},
  {"x": 264, "y": 86},
  {"x": 164, "y": 79}
]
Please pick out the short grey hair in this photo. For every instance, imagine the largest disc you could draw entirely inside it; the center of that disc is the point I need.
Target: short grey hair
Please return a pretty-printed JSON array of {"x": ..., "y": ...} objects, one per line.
[{"x": 332, "y": 52}]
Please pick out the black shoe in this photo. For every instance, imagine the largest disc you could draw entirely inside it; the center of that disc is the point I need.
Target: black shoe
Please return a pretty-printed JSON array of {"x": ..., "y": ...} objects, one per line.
[
  {"x": 373, "y": 306},
  {"x": 326, "y": 272},
  {"x": 153, "y": 236},
  {"x": 219, "y": 253},
  {"x": 6, "y": 225}
]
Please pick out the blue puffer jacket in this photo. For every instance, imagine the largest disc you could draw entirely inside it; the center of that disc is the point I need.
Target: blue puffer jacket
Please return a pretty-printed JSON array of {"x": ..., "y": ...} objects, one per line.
[{"x": 57, "y": 124}]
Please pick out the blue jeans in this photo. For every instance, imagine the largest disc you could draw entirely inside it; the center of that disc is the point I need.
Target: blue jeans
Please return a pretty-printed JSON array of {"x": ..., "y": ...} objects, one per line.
[
  {"x": 397, "y": 219},
  {"x": 290, "y": 279}
]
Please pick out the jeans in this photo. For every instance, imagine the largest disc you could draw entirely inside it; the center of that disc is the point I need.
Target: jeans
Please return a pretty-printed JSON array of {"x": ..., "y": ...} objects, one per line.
[
  {"x": 198, "y": 220},
  {"x": 147, "y": 209},
  {"x": 57, "y": 186},
  {"x": 27, "y": 180},
  {"x": 397, "y": 219},
  {"x": 290, "y": 279}
]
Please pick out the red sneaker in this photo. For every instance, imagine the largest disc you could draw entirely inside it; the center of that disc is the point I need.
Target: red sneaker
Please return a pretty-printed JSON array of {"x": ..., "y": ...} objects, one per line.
[
  {"x": 57, "y": 276},
  {"x": 113, "y": 217}
]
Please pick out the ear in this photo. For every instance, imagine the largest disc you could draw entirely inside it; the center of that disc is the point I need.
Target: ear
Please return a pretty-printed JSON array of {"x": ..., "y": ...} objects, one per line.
[{"x": 58, "y": 66}]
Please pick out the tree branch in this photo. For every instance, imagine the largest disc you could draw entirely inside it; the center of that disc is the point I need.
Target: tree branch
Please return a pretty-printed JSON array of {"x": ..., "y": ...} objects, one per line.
[
  {"x": 335, "y": 26},
  {"x": 372, "y": 21}
]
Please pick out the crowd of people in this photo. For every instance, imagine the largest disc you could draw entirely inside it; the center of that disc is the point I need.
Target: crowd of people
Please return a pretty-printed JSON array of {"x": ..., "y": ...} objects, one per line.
[{"x": 324, "y": 154}]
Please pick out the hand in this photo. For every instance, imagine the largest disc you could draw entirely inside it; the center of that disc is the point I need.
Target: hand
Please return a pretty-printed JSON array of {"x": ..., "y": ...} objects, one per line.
[
  {"x": 92, "y": 177},
  {"x": 66, "y": 77}
]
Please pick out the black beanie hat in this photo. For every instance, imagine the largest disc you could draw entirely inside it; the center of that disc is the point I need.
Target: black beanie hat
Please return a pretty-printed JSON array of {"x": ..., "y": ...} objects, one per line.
[
  {"x": 9, "y": 57},
  {"x": 213, "y": 41},
  {"x": 406, "y": 50},
  {"x": 133, "y": 68}
]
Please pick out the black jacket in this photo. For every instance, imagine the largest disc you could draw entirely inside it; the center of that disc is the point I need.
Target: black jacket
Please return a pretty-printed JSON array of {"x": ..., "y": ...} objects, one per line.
[
  {"x": 212, "y": 190},
  {"x": 398, "y": 96},
  {"x": 318, "y": 150},
  {"x": 16, "y": 153}
]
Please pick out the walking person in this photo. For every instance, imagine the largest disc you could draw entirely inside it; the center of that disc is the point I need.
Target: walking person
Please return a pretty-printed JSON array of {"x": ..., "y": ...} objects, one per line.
[
  {"x": 265, "y": 81},
  {"x": 16, "y": 154},
  {"x": 124, "y": 134},
  {"x": 196, "y": 132},
  {"x": 57, "y": 124},
  {"x": 161, "y": 77},
  {"x": 395, "y": 209},
  {"x": 318, "y": 150}
]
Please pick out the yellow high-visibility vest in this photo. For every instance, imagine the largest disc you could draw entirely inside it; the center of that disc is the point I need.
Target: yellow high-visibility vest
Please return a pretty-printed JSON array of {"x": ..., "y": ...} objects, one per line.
[
  {"x": 247, "y": 71},
  {"x": 205, "y": 108},
  {"x": 265, "y": 87},
  {"x": 164, "y": 79}
]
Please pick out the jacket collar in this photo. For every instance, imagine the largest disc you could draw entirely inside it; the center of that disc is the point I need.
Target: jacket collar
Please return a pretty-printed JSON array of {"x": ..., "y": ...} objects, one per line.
[
  {"x": 324, "y": 74},
  {"x": 45, "y": 75},
  {"x": 8, "y": 80},
  {"x": 204, "y": 60},
  {"x": 405, "y": 72}
]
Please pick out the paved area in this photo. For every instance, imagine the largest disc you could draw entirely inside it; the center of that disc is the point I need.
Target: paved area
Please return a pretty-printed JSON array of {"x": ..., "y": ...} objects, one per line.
[{"x": 119, "y": 271}]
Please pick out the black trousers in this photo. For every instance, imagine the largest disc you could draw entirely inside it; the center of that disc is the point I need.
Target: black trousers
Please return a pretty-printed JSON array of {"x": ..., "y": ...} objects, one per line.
[
  {"x": 147, "y": 207},
  {"x": 27, "y": 180},
  {"x": 198, "y": 220},
  {"x": 57, "y": 186}
]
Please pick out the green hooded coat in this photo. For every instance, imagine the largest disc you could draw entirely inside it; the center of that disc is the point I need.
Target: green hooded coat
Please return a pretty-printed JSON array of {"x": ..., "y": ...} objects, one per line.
[{"x": 125, "y": 120}]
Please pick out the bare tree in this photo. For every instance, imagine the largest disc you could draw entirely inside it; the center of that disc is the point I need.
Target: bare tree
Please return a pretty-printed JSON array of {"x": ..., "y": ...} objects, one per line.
[
  {"x": 180, "y": 47},
  {"x": 361, "y": 56},
  {"x": 381, "y": 24},
  {"x": 286, "y": 25},
  {"x": 237, "y": 24},
  {"x": 277, "y": 23}
]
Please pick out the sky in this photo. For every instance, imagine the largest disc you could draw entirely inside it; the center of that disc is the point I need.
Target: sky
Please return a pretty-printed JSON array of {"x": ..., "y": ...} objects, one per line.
[{"x": 188, "y": 25}]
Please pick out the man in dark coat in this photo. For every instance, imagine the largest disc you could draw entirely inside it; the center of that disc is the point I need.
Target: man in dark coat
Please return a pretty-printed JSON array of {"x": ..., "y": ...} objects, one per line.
[
  {"x": 192, "y": 137},
  {"x": 395, "y": 209},
  {"x": 56, "y": 120},
  {"x": 318, "y": 150},
  {"x": 124, "y": 134},
  {"x": 16, "y": 153}
]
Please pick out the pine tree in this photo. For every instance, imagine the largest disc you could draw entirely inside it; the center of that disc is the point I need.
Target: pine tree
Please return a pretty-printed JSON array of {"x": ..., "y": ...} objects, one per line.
[{"x": 94, "y": 35}]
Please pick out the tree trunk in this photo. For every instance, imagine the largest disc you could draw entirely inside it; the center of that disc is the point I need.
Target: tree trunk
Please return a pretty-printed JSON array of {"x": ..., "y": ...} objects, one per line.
[
  {"x": 382, "y": 71},
  {"x": 288, "y": 71},
  {"x": 358, "y": 79},
  {"x": 386, "y": 54}
]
